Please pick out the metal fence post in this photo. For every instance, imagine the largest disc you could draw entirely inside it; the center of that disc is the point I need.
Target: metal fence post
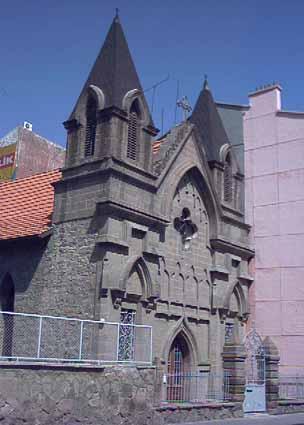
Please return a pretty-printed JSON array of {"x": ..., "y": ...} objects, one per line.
[
  {"x": 117, "y": 341},
  {"x": 39, "y": 337},
  {"x": 58, "y": 341},
  {"x": 151, "y": 342},
  {"x": 80, "y": 342}
]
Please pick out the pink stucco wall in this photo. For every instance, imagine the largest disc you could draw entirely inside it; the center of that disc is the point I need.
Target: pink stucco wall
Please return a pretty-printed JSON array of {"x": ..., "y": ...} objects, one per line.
[{"x": 274, "y": 170}]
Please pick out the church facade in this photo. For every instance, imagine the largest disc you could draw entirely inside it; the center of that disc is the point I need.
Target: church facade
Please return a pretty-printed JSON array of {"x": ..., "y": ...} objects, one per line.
[{"x": 153, "y": 237}]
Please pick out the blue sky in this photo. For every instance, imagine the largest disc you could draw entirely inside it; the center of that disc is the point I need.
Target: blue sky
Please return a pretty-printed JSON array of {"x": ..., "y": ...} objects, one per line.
[{"x": 49, "y": 46}]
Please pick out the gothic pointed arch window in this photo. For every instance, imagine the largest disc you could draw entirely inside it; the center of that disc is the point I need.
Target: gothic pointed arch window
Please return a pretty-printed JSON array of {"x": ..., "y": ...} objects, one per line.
[
  {"x": 228, "y": 181},
  {"x": 179, "y": 367},
  {"x": 133, "y": 129},
  {"x": 90, "y": 135}
]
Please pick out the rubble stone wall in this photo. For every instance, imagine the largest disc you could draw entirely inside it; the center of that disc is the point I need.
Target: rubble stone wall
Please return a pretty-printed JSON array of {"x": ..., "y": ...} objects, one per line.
[{"x": 32, "y": 394}]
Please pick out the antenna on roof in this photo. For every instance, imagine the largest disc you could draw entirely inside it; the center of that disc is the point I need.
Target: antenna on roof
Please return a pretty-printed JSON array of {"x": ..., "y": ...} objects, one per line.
[
  {"x": 153, "y": 88},
  {"x": 176, "y": 100},
  {"x": 184, "y": 104},
  {"x": 162, "y": 121}
]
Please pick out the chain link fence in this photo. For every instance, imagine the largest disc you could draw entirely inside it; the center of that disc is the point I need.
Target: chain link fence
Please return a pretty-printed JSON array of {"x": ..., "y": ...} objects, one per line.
[{"x": 59, "y": 339}]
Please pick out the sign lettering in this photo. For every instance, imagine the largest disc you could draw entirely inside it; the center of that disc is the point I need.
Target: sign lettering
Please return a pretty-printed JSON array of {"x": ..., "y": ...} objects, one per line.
[{"x": 7, "y": 162}]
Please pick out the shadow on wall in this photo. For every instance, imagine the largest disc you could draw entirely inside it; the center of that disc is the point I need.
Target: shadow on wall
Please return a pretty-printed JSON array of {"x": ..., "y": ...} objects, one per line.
[
  {"x": 7, "y": 301},
  {"x": 20, "y": 259}
]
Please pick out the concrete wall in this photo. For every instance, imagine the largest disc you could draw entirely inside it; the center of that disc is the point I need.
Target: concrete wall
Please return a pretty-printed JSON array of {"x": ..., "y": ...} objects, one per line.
[{"x": 274, "y": 170}]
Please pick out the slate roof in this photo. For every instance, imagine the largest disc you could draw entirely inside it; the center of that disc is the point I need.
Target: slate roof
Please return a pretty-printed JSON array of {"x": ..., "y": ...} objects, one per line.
[
  {"x": 208, "y": 122},
  {"x": 27, "y": 205},
  {"x": 114, "y": 70},
  {"x": 232, "y": 118}
]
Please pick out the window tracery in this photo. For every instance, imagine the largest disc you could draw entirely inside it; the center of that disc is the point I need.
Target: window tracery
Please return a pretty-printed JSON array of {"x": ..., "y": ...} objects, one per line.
[{"x": 126, "y": 347}]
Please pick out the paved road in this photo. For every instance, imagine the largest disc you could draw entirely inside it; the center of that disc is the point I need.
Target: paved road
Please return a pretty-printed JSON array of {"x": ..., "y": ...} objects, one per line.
[{"x": 291, "y": 419}]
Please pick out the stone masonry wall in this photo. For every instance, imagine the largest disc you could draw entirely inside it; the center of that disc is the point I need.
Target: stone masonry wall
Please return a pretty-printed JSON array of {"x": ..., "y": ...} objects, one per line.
[
  {"x": 90, "y": 396},
  {"x": 69, "y": 395},
  {"x": 55, "y": 277}
]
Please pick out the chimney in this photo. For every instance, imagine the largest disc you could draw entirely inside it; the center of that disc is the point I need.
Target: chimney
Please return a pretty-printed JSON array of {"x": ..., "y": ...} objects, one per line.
[{"x": 266, "y": 99}]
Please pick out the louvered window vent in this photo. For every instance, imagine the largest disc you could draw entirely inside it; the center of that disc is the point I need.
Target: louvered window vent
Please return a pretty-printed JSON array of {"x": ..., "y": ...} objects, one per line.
[
  {"x": 228, "y": 180},
  {"x": 90, "y": 135},
  {"x": 132, "y": 136}
]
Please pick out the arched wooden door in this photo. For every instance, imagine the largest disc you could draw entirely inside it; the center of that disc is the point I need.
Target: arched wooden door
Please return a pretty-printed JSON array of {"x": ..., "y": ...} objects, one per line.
[{"x": 179, "y": 370}]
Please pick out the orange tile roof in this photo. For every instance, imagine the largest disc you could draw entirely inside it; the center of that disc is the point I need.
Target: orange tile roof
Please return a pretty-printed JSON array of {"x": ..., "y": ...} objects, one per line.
[{"x": 26, "y": 205}]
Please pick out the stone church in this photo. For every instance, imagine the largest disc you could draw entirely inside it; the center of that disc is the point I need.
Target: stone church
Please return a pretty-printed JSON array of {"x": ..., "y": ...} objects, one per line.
[{"x": 145, "y": 229}]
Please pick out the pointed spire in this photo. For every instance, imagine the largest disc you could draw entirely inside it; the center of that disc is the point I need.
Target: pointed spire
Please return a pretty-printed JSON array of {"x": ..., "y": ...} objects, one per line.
[
  {"x": 208, "y": 122},
  {"x": 114, "y": 71}
]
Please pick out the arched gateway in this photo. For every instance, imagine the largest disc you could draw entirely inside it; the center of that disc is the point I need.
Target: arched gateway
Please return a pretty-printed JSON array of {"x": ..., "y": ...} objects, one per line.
[{"x": 255, "y": 373}]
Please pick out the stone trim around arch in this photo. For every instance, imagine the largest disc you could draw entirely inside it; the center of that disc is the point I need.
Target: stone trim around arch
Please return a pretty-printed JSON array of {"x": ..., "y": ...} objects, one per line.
[
  {"x": 98, "y": 95},
  {"x": 181, "y": 328},
  {"x": 225, "y": 150},
  {"x": 237, "y": 289},
  {"x": 128, "y": 100},
  {"x": 139, "y": 263},
  {"x": 209, "y": 200}
]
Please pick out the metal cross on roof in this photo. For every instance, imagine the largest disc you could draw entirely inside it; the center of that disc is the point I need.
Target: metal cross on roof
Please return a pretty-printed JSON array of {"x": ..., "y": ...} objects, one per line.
[{"x": 185, "y": 105}]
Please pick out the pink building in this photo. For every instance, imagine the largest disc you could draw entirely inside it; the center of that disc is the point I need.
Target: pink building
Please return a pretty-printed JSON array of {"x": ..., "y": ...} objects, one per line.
[
  {"x": 24, "y": 153},
  {"x": 274, "y": 192}
]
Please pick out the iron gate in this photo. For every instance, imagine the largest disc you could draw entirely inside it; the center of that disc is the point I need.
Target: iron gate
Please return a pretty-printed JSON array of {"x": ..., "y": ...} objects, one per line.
[{"x": 255, "y": 374}]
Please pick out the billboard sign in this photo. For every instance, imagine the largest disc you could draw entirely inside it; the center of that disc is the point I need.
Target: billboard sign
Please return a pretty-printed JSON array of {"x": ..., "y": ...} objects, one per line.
[{"x": 7, "y": 162}]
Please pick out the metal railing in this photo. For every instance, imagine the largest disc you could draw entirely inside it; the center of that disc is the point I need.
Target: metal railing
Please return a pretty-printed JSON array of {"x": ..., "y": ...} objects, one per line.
[
  {"x": 291, "y": 387},
  {"x": 195, "y": 387},
  {"x": 33, "y": 337}
]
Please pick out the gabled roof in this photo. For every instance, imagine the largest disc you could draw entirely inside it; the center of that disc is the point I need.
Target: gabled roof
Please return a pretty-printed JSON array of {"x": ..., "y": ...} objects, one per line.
[
  {"x": 27, "y": 205},
  {"x": 208, "y": 122},
  {"x": 114, "y": 70}
]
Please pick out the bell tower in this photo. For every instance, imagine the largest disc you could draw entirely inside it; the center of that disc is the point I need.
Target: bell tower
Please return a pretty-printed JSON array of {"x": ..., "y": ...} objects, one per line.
[{"x": 111, "y": 118}]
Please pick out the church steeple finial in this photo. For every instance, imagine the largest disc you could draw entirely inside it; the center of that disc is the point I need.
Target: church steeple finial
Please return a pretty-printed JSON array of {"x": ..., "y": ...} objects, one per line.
[
  {"x": 206, "y": 85},
  {"x": 116, "y": 19}
]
